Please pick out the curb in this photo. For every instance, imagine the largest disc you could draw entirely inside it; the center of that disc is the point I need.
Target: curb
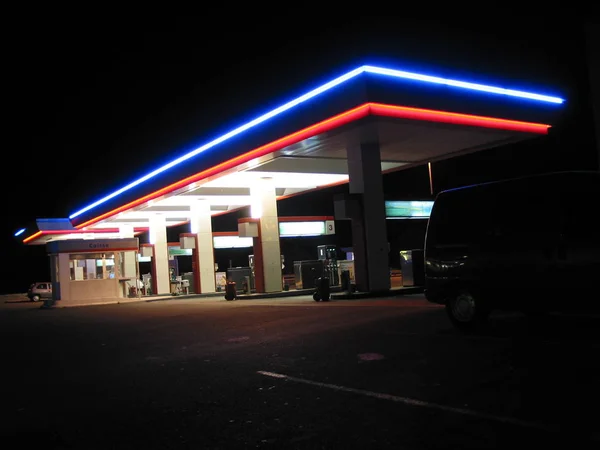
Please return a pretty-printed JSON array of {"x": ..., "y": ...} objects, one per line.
[{"x": 390, "y": 293}]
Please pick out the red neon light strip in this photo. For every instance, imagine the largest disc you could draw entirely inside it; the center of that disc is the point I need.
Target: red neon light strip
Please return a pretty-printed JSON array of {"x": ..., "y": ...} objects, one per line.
[
  {"x": 428, "y": 115},
  {"x": 95, "y": 250},
  {"x": 32, "y": 237},
  {"x": 354, "y": 114}
]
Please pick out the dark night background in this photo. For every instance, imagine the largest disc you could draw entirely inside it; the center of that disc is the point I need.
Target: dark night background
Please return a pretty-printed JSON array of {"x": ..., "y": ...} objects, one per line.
[{"x": 90, "y": 105}]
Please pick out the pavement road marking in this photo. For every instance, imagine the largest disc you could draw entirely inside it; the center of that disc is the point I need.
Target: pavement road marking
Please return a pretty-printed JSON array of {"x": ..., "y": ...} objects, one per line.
[{"x": 413, "y": 402}]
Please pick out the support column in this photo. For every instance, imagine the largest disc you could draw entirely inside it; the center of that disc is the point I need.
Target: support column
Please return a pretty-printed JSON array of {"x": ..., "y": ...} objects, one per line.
[
  {"x": 64, "y": 278},
  {"x": 130, "y": 264},
  {"x": 264, "y": 207},
  {"x": 130, "y": 267},
  {"x": 160, "y": 258},
  {"x": 369, "y": 233},
  {"x": 204, "y": 257}
]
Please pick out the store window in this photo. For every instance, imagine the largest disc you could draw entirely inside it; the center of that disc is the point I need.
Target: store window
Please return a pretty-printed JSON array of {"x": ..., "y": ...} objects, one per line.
[{"x": 92, "y": 266}]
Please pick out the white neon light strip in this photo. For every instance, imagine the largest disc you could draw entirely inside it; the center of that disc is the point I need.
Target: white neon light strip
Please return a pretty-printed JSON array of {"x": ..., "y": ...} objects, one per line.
[
  {"x": 311, "y": 94},
  {"x": 20, "y": 232}
]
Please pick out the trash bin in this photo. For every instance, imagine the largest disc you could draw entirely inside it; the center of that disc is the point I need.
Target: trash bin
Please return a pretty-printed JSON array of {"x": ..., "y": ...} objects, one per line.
[
  {"x": 246, "y": 285},
  {"x": 230, "y": 292},
  {"x": 322, "y": 290},
  {"x": 345, "y": 281},
  {"x": 412, "y": 266},
  {"x": 47, "y": 304}
]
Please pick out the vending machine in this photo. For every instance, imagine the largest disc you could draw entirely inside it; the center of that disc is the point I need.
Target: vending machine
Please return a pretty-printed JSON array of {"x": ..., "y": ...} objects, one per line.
[
  {"x": 328, "y": 254},
  {"x": 252, "y": 274}
]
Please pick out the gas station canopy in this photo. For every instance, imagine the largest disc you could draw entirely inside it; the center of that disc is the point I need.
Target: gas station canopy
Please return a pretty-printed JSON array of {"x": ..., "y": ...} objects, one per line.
[{"x": 302, "y": 144}]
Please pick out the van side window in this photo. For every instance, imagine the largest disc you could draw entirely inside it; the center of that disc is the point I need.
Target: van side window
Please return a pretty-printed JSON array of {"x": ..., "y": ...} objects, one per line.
[
  {"x": 525, "y": 213},
  {"x": 583, "y": 205},
  {"x": 583, "y": 218}
]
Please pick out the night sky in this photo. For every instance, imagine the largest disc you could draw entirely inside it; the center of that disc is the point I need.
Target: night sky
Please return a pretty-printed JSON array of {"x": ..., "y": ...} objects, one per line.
[{"x": 90, "y": 105}]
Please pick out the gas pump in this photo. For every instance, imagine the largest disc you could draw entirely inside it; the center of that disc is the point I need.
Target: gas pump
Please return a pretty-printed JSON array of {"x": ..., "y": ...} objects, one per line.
[
  {"x": 252, "y": 275},
  {"x": 252, "y": 286},
  {"x": 328, "y": 254}
]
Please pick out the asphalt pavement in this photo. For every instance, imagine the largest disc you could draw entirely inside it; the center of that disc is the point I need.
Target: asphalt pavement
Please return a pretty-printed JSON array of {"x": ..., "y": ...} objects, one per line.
[{"x": 291, "y": 373}]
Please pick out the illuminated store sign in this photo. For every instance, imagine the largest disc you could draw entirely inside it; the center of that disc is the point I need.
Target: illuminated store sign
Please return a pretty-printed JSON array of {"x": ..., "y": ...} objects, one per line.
[
  {"x": 292, "y": 229},
  {"x": 232, "y": 242},
  {"x": 408, "y": 209},
  {"x": 178, "y": 251}
]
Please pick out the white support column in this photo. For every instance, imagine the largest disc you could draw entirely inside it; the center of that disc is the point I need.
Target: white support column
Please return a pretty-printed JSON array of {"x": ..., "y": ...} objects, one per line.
[
  {"x": 158, "y": 237},
  {"x": 130, "y": 269},
  {"x": 129, "y": 258},
  {"x": 264, "y": 206},
  {"x": 201, "y": 225}
]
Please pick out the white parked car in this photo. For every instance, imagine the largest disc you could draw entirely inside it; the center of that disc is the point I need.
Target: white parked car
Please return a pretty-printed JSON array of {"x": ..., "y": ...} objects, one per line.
[{"x": 39, "y": 291}]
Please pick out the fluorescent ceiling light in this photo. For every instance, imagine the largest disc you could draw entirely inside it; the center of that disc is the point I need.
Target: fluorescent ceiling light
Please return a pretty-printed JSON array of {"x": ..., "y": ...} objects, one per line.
[
  {"x": 213, "y": 200},
  {"x": 280, "y": 180}
]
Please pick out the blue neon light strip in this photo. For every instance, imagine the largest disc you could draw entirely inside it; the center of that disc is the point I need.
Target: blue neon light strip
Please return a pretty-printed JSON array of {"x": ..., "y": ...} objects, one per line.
[
  {"x": 311, "y": 94},
  {"x": 20, "y": 232},
  {"x": 462, "y": 84}
]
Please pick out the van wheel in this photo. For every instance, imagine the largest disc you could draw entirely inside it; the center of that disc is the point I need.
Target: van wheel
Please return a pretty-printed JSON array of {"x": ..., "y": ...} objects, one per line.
[
  {"x": 35, "y": 298},
  {"x": 466, "y": 312}
]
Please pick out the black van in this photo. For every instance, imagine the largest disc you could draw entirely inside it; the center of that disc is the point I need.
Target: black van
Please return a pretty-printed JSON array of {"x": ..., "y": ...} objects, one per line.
[{"x": 529, "y": 244}]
